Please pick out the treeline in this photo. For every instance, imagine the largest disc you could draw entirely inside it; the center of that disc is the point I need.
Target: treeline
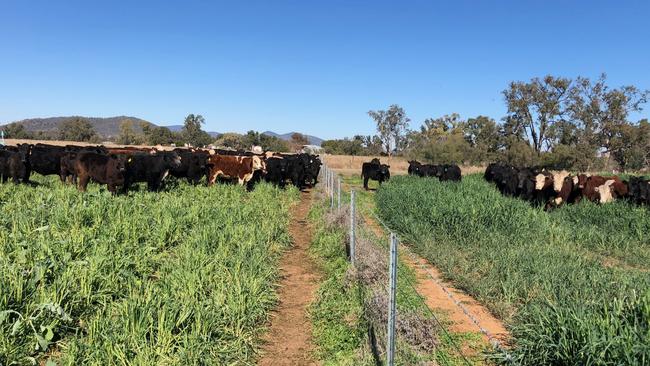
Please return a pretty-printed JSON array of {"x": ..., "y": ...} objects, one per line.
[
  {"x": 80, "y": 129},
  {"x": 578, "y": 124}
]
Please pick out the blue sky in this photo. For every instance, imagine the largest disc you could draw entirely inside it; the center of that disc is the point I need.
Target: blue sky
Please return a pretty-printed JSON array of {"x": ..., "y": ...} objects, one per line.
[{"x": 314, "y": 67}]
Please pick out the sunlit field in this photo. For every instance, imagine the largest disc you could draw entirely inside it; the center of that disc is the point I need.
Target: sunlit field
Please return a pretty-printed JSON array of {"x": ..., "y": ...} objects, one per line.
[
  {"x": 180, "y": 277},
  {"x": 573, "y": 284}
]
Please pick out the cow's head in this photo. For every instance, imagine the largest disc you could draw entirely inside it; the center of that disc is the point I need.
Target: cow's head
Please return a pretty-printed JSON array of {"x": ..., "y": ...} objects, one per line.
[
  {"x": 558, "y": 180},
  {"x": 258, "y": 164},
  {"x": 582, "y": 180},
  {"x": 120, "y": 161},
  {"x": 23, "y": 151},
  {"x": 384, "y": 171},
  {"x": 172, "y": 159}
]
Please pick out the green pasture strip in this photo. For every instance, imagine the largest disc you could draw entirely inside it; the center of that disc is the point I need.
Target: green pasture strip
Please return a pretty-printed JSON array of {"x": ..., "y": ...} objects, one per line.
[
  {"x": 573, "y": 284},
  {"x": 179, "y": 277},
  {"x": 338, "y": 325},
  {"x": 407, "y": 298}
]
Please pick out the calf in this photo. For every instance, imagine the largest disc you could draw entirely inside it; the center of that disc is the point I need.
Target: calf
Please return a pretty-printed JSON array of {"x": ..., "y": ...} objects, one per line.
[
  {"x": 233, "y": 167},
  {"x": 103, "y": 169},
  {"x": 375, "y": 171}
]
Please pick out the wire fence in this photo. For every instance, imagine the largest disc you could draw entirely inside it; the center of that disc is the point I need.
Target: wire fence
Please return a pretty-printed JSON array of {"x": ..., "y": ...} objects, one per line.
[{"x": 374, "y": 257}]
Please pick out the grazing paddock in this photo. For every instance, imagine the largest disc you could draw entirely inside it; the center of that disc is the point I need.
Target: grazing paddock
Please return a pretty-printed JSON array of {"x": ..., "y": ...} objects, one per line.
[
  {"x": 573, "y": 284},
  {"x": 181, "y": 277}
]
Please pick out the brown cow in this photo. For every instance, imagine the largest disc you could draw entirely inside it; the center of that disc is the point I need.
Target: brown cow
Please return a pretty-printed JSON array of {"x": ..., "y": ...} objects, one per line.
[
  {"x": 604, "y": 189},
  {"x": 241, "y": 168},
  {"x": 103, "y": 169}
]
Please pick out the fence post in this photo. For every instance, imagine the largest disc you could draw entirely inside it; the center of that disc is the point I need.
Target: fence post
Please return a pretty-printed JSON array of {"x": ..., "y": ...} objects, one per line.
[
  {"x": 352, "y": 226},
  {"x": 392, "y": 287},
  {"x": 339, "y": 193},
  {"x": 332, "y": 190}
]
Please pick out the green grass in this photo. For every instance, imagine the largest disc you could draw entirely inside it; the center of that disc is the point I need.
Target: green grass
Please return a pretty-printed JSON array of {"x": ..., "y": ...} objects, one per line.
[
  {"x": 573, "y": 284},
  {"x": 180, "y": 277},
  {"x": 408, "y": 299},
  {"x": 338, "y": 325}
]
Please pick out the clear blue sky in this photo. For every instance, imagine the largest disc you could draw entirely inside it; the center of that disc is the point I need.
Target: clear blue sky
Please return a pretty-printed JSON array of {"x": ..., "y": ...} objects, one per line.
[{"x": 314, "y": 67}]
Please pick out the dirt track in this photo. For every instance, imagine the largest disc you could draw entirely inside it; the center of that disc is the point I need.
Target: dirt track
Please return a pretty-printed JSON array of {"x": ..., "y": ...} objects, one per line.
[{"x": 288, "y": 341}]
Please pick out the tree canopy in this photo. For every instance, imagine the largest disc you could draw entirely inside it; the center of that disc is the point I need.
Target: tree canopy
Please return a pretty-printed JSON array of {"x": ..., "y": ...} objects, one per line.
[{"x": 77, "y": 129}]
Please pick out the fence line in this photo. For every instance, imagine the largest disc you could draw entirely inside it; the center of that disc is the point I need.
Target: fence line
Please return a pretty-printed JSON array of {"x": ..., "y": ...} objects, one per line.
[
  {"x": 493, "y": 340},
  {"x": 333, "y": 187}
]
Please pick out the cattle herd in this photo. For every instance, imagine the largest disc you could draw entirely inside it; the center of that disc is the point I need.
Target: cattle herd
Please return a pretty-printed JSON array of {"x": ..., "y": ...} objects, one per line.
[
  {"x": 119, "y": 168},
  {"x": 552, "y": 189},
  {"x": 444, "y": 172}
]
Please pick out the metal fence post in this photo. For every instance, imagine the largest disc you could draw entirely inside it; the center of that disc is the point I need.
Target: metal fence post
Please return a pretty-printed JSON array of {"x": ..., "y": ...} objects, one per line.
[
  {"x": 392, "y": 287},
  {"x": 332, "y": 191},
  {"x": 339, "y": 193},
  {"x": 352, "y": 226}
]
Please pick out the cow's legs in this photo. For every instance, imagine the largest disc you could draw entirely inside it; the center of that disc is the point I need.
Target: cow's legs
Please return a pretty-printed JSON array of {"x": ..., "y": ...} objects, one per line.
[
  {"x": 83, "y": 183},
  {"x": 365, "y": 183}
]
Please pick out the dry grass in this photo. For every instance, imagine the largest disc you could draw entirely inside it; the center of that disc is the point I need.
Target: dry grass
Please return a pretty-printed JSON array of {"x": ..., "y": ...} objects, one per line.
[{"x": 348, "y": 165}]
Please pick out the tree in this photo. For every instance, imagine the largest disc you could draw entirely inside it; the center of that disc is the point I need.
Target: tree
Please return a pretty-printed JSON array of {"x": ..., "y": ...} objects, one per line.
[
  {"x": 601, "y": 114},
  {"x": 127, "y": 135},
  {"x": 297, "y": 141},
  {"x": 192, "y": 132},
  {"x": 537, "y": 105},
  {"x": 483, "y": 132},
  {"x": 154, "y": 135},
  {"x": 232, "y": 140},
  {"x": 391, "y": 126},
  {"x": 16, "y": 131},
  {"x": 77, "y": 129}
]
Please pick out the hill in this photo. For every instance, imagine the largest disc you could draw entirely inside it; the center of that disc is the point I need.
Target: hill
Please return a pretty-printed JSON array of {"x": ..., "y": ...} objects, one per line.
[
  {"x": 105, "y": 127},
  {"x": 313, "y": 140}
]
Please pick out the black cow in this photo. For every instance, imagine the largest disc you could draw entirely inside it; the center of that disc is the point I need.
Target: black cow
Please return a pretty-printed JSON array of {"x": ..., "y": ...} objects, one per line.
[
  {"x": 13, "y": 164},
  {"x": 639, "y": 190},
  {"x": 312, "y": 170},
  {"x": 277, "y": 170},
  {"x": 193, "y": 167},
  {"x": 150, "y": 168},
  {"x": 297, "y": 169},
  {"x": 535, "y": 185},
  {"x": 45, "y": 160},
  {"x": 448, "y": 172},
  {"x": 504, "y": 176},
  {"x": 376, "y": 171},
  {"x": 422, "y": 170},
  {"x": 103, "y": 169}
]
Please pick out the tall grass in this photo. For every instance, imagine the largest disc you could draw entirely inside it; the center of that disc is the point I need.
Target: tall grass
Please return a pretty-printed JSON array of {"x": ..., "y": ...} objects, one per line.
[
  {"x": 573, "y": 284},
  {"x": 178, "y": 278}
]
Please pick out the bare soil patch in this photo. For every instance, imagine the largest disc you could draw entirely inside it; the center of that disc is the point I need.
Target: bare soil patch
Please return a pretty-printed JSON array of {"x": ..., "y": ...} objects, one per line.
[{"x": 288, "y": 341}]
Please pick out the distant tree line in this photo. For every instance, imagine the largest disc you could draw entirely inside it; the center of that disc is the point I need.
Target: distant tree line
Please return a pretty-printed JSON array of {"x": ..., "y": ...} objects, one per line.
[
  {"x": 562, "y": 123},
  {"x": 80, "y": 129}
]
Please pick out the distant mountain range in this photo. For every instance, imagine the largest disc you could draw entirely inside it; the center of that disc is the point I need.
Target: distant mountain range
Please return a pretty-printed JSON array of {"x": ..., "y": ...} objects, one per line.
[
  {"x": 313, "y": 140},
  {"x": 109, "y": 127}
]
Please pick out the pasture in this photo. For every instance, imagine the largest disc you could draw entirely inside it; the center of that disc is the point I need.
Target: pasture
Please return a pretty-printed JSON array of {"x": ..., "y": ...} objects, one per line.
[
  {"x": 573, "y": 284},
  {"x": 181, "y": 277}
]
